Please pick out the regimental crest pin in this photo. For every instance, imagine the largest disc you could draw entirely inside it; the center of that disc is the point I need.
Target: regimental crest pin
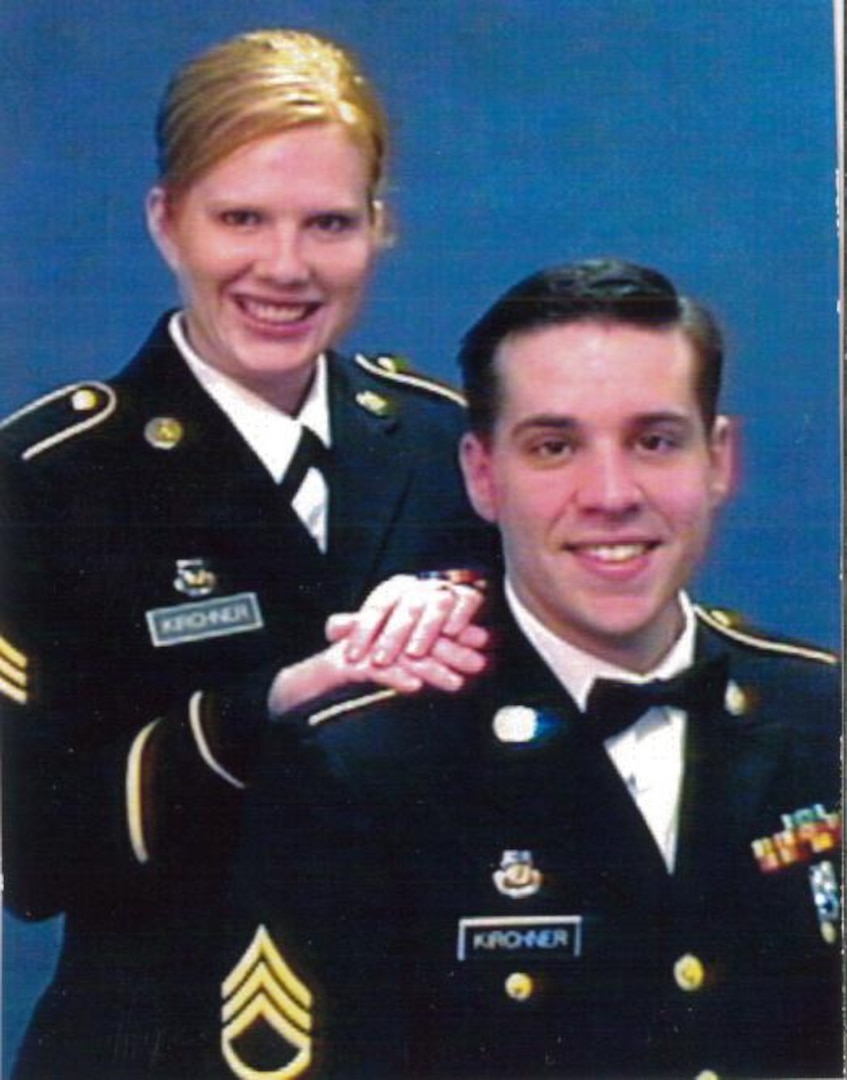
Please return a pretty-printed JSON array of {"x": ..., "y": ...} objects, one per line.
[
  {"x": 517, "y": 877},
  {"x": 195, "y": 578},
  {"x": 374, "y": 403}
]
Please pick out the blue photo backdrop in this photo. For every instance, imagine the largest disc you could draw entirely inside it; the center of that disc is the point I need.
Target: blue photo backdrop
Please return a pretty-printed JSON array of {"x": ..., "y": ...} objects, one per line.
[{"x": 694, "y": 135}]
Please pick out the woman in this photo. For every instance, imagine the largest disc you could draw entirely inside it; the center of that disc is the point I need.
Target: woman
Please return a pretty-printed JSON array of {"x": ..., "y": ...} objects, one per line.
[{"x": 178, "y": 537}]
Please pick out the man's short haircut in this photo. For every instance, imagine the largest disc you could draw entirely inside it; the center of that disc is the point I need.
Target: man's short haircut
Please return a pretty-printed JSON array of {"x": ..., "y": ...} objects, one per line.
[{"x": 596, "y": 290}]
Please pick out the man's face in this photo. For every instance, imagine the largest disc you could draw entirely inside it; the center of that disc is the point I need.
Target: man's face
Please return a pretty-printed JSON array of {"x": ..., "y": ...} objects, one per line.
[{"x": 603, "y": 481}]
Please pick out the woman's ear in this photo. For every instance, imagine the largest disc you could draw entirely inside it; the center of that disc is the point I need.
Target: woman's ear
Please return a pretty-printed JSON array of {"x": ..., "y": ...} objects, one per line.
[{"x": 160, "y": 225}]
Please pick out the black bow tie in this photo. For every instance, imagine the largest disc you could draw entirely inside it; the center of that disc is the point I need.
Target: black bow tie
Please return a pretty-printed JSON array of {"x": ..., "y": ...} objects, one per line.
[{"x": 614, "y": 706}]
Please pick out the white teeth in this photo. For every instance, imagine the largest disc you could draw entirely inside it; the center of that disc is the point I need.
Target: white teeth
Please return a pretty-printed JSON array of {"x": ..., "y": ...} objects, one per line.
[
  {"x": 278, "y": 314},
  {"x": 616, "y": 553}
]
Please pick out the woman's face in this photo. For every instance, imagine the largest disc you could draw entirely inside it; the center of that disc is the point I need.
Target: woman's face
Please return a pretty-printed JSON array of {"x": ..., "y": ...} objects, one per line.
[{"x": 272, "y": 248}]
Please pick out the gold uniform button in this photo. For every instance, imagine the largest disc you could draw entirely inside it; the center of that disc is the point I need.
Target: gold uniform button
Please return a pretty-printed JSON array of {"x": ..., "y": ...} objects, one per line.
[
  {"x": 84, "y": 400},
  {"x": 722, "y": 617},
  {"x": 164, "y": 432},
  {"x": 519, "y": 986},
  {"x": 689, "y": 973},
  {"x": 736, "y": 701}
]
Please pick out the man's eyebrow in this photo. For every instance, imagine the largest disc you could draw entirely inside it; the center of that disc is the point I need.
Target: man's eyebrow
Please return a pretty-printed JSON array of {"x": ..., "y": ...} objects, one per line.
[
  {"x": 679, "y": 419},
  {"x": 567, "y": 425},
  {"x": 547, "y": 421}
]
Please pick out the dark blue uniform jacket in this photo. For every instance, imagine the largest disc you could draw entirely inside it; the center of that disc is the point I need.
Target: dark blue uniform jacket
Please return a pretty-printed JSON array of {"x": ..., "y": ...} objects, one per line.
[
  {"x": 154, "y": 582},
  {"x": 438, "y": 902}
]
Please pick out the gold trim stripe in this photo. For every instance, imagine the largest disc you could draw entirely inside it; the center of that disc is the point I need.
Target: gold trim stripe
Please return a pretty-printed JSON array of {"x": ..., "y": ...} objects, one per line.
[
  {"x": 195, "y": 720},
  {"x": 13, "y": 655},
  {"x": 15, "y": 693},
  {"x": 420, "y": 382},
  {"x": 14, "y": 674},
  {"x": 263, "y": 982},
  {"x": 301, "y": 1042},
  {"x": 711, "y": 618},
  {"x": 332, "y": 712},
  {"x": 262, "y": 947},
  {"x": 134, "y": 808}
]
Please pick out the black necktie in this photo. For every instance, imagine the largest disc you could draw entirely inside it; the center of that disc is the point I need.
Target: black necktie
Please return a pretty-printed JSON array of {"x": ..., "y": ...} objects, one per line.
[
  {"x": 614, "y": 706},
  {"x": 309, "y": 453}
]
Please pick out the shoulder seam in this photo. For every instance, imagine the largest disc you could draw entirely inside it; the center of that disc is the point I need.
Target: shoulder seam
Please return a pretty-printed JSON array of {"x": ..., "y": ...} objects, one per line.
[
  {"x": 74, "y": 429},
  {"x": 419, "y": 382},
  {"x": 341, "y": 708},
  {"x": 762, "y": 643}
]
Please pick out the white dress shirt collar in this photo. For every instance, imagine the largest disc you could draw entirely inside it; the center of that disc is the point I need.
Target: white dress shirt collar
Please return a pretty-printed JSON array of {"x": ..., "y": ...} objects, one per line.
[
  {"x": 576, "y": 669},
  {"x": 269, "y": 432}
]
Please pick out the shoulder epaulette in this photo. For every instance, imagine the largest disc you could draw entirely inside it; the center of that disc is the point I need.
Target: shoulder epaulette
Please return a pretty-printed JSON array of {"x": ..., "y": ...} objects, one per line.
[
  {"x": 342, "y": 708},
  {"x": 61, "y": 415},
  {"x": 733, "y": 626},
  {"x": 394, "y": 370}
]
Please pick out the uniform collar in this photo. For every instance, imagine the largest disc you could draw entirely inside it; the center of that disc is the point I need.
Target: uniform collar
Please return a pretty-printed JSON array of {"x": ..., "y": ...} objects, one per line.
[
  {"x": 577, "y": 670},
  {"x": 270, "y": 433}
]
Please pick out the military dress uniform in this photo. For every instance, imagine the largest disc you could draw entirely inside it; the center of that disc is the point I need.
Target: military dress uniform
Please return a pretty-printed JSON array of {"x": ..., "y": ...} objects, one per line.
[
  {"x": 156, "y": 579},
  {"x": 475, "y": 893}
]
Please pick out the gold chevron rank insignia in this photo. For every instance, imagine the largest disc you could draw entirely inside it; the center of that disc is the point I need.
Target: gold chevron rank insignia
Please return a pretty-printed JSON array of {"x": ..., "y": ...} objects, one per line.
[
  {"x": 14, "y": 676},
  {"x": 266, "y": 1012}
]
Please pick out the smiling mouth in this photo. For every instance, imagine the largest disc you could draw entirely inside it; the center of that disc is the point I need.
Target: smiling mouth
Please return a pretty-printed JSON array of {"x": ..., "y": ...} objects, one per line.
[
  {"x": 613, "y": 554},
  {"x": 275, "y": 314}
]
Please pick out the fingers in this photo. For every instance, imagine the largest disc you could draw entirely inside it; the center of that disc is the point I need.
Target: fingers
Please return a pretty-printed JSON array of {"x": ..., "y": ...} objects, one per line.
[
  {"x": 449, "y": 611},
  {"x": 339, "y": 626},
  {"x": 406, "y": 615},
  {"x": 447, "y": 668},
  {"x": 371, "y": 618}
]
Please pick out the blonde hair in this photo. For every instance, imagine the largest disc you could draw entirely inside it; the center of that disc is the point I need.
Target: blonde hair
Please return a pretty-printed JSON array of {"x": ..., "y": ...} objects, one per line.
[{"x": 259, "y": 84}]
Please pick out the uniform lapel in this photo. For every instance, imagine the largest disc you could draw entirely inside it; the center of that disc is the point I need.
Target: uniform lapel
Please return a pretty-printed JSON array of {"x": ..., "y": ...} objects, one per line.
[
  {"x": 731, "y": 759},
  {"x": 208, "y": 480},
  {"x": 371, "y": 468},
  {"x": 567, "y": 790}
]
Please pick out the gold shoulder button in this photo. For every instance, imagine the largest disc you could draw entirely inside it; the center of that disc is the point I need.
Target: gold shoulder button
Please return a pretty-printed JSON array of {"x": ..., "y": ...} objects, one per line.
[
  {"x": 85, "y": 399},
  {"x": 393, "y": 364}
]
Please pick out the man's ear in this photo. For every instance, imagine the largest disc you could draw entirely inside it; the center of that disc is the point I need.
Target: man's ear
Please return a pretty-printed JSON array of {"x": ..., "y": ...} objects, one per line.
[
  {"x": 160, "y": 224},
  {"x": 475, "y": 459},
  {"x": 724, "y": 454}
]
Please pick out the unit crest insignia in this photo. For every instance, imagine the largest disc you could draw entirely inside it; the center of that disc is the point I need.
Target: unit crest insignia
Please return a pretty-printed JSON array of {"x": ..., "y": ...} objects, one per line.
[
  {"x": 195, "y": 578},
  {"x": 516, "y": 876}
]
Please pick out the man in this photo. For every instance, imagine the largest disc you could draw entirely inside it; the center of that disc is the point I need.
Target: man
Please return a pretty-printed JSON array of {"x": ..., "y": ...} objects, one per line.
[{"x": 548, "y": 875}]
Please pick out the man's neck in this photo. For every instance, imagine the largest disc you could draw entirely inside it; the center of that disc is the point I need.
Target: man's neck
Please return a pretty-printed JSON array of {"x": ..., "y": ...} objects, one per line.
[{"x": 577, "y": 668}]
